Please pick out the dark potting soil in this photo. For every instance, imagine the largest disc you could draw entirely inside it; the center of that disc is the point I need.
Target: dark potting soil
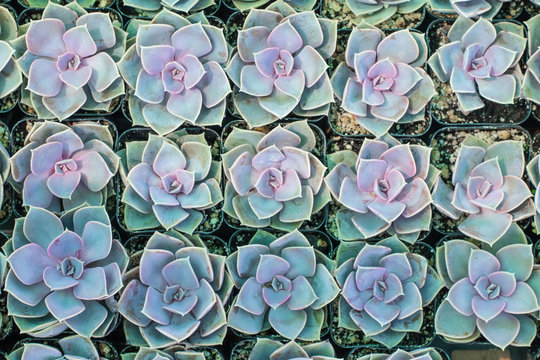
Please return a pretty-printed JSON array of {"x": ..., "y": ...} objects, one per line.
[
  {"x": 532, "y": 9},
  {"x": 445, "y": 106},
  {"x": 8, "y": 102},
  {"x": 446, "y": 145},
  {"x": 338, "y": 9},
  {"x": 535, "y": 110},
  {"x": 347, "y": 338},
  {"x": 509, "y": 10},
  {"x": 235, "y": 23}
]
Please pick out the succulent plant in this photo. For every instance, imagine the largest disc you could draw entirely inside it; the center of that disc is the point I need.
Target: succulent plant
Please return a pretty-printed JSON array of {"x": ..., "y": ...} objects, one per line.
[
  {"x": 68, "y": 58},
  {"x": 152, "y": 6},
  {"x": 533, "y": 171},
  {"x": 468, "y": 8},
  {"x": 382, "y": 82},
  {"x": 386, "y": 187},
  {"x": 43, "y": 3},
  {"x": 378, "y": 11},
  {"x": 531, "y": 81},
  {"x": 481, "y": 62},
  {"x": 492, "y": 291},
  {"x": 385, "y": 287},
  {"x": 173, "y": 353},
  {"x": 272, "y": 349},
  {"x": 419, "y": 354},
  {"x": 5, "y": 168},
  {"x": 70, "y": 347},
  {"x": 176, "y": 294},
  {"x": 175, "y": 73},
  {"x": 62, "y": 167},
  {"x": 64, "y": 272},
  {"x": 273, "y": 179},
  {"x": 10, "y": 74},
  {"x": 279, "y": 65},
  {"x": 169, "y": 182},
  {"x": 298, "y": 5},
  {"x": 285, "y": 284},
  {"x": 488, "y": 188}
]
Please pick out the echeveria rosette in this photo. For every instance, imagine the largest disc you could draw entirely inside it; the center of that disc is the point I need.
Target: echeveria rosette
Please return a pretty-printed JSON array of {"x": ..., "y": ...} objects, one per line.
[
  {"x": 385, "y": 288},
  {"x": 488, "y": 189},
  {"x": 176, "y": 294},
  {"x": 385, "y": 187},
  {"x": 5, "y": 171},
  {"x": 284, "y": 284},
  {"x": 150, "y": 7},
  {"x": 68, "y": 58},
  {"x": 531, "y": 80},
  {"x": 298, "y": 5},
  {"x": 43, "y": 3},
  {"x": 64, "y": 272},
  {"x": 533, "y": 171},
  {"x": 378, "y": 11},
  {"x": 62, "y": 167},
  {"x": 70, "y": 347},
  {"x": 173, "y": 353},
  {"x": 10, "y": 74},
  {"x": 419, "y": 354},
  {"x": 279, "y": 65},
  {"x": 169, "y": 181},
  {"x": 468, "y": 8},
  {"x": 493, "y": 291},
  {"x": 275, "y": 350},
  {"x": 382, "y": 82},
  {"x": 175, "y": 74},
  {"x": 274, "y": 179},
  {"x": 481, "y": 61}
]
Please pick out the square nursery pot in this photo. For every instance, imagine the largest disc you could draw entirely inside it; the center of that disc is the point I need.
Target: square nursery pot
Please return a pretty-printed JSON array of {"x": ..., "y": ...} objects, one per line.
[
  {"x": 338, "y": 143},
  {"x": 6, "y": 209},
  {"x": 105, "y": 349},
  {"x": 317, "y": 219},
  {"x": 18, "y": 135},
  {"x": 344, "y": 124},
  {"x": 33, "y": 13},
  {"x": 444, "y": 106},
  {"x": 7, "y": 325},
  {"x": 135, "y": 13},
  {"x": 210, "y": 353},
  {"x": 338, "y": 9},
  {"x": 212, "y": 217},
  {"x": 357, "y": 353},
  {"x": 349, "y": 339},
  {"x": 446, "y": 143},
  {"x": 318, "y": 239},
  {"x": 87, "y": 4},
  {"x": 509, "y": 10}
]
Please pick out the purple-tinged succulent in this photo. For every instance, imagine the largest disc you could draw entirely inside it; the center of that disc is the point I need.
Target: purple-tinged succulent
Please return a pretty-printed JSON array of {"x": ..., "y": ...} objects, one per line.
[
  {"x": 533, "y": 171},
  {"x": 5, "y": 170},
  {"x": 176, "y": 294},
  {"x": 378, "y": 11},
  {"x": 71, "y": 347},
  {"x": 481, "y": 62},
  {"x": 468, "y": 8},
  {"x": 492, "y": 291},
  {"x": 68, "y": 58},
  {"x": 285, "y": 284},
  {"x": 382, "y": 82},
  {"x": 10, "y": 74},
  {"x": 172, "y": 353},
  {"x": 531, "y": 81},
  {"x": 385, "y": 187},
  {"x": 275, "y": 350},
  {"x": 299, "y": 5},
  {"x": 384, "y": 289},
  {"x": 152, "y": 6},
  {"x": 175, "y": 73},
  {"x": 279, "y": 65},
  {"x": 64, "y": 272},
  {"x": 169, "y": 182},
  {"x": 62, "y": 167},
  {"x": 488, "y": 188},
  {"x": 419, "y": 354},
  {"x": 273, "y": 179}
]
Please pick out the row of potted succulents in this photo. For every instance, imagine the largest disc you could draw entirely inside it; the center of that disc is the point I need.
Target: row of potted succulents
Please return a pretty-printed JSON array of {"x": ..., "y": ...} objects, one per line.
[{"x": 84, "y": 62}]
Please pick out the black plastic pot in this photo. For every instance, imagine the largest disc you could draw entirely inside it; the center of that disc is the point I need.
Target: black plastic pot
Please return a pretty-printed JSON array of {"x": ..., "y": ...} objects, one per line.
[
  {"x": 18, "y": 136},
  {"x": 491, "y": 109},
  {"x": 141, "y": 134},
  {"x": 307, "y": 225},
  {"x": 440, "y": 136}
]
